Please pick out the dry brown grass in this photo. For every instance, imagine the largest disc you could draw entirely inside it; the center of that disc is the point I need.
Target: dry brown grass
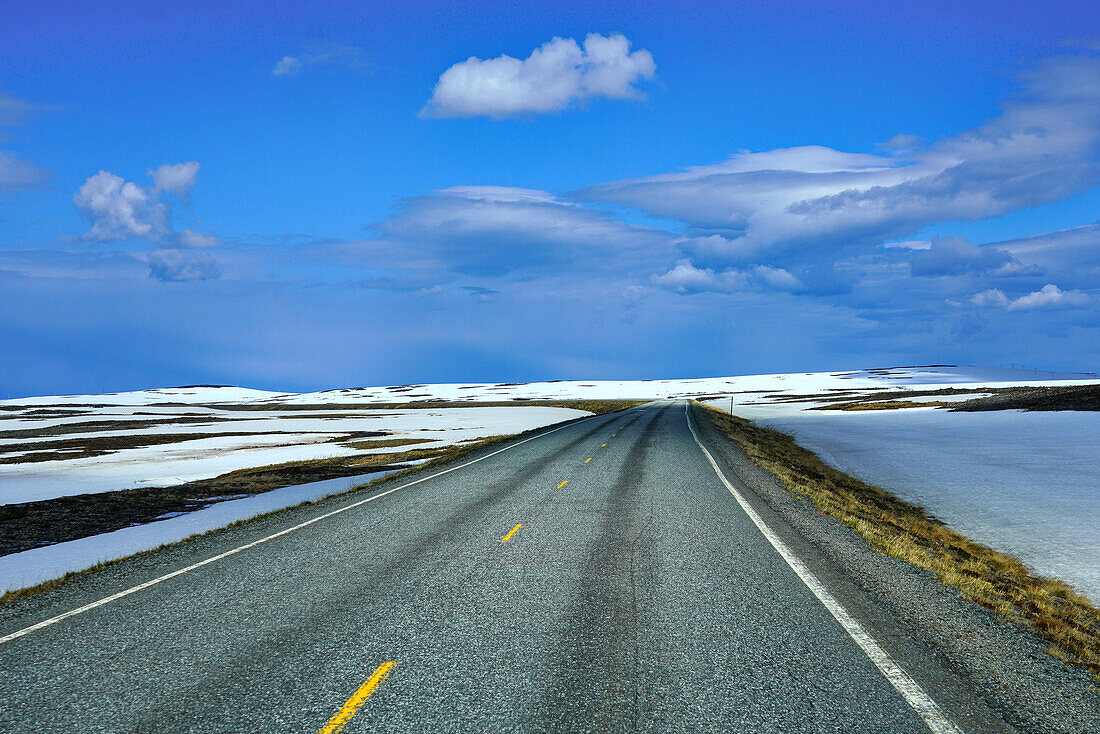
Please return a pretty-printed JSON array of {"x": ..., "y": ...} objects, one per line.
[
  {"x": 1047, "y": 607},
  {"x": 384, "y": 443},
  {"x": 884, "y": 405}
]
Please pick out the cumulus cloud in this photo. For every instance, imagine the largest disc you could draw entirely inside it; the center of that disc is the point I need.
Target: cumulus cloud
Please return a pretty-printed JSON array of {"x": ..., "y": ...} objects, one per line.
[
  {"x": 321, "y": 54},
  {"x": 176, "y": 178},
  {"x": 767, "y": 206},
  {"x": 556, "y": 75},
  {"x": 120, "y": 209},
  {"x": 176, "y": 265},
  {"x": 956, "y": 256},
  {"x": 1049, "y": 296},
  {"x": 685, "y": 278}
]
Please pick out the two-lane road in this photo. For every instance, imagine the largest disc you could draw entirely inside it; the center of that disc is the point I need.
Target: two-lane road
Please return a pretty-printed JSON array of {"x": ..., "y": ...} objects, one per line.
[{"x": 632, "y": 593}]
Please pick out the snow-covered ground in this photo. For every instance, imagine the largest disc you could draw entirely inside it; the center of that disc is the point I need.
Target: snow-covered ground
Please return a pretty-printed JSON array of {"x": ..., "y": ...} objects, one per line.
[
  {"x": 793, "y": 383},
  {"x": 272, "y": 437},
  {"x": 32, "y": 567},
  {"x": 1027, "y": 483}
]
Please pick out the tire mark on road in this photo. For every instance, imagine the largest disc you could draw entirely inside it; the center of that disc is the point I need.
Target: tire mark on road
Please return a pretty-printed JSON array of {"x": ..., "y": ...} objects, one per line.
[{"x": 597, "y": 680}]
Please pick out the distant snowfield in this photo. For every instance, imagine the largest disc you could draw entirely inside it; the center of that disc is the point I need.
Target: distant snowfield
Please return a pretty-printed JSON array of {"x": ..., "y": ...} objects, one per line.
[
  {"x": 274, "y": 437},
  {"x": 1026, "y": 483}
]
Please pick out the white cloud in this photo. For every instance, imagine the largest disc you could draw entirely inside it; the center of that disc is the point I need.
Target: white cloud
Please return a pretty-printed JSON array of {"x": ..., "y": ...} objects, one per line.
[
  {"x": 991, "y": 297},
  {"x": 777, "y": 278},
  {"x": 556, "y": 75},
  {"x": 120, "y": 210},
  {"x": 174, "y": 265},
  {"x": 685, "y": 278},
  {"x": 288, "y": 66},
  {"x": 176, "y": 178},
  {"x": 321, "y": 54},
  {"x": 782, "y": 204},
  {"x": 1049, "y": 296},
  {"x": 190, "y": 239}
]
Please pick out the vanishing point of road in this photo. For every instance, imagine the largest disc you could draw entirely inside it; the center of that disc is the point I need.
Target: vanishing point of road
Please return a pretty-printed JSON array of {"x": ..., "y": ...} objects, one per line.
[{"x": 600, "y": 576}]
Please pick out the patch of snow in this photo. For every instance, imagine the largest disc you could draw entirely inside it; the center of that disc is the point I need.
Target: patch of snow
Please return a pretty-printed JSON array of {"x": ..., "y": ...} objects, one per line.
[
  {"x": 32, "y": 567},
  {"x": 1021, "y": 482},
  {"x": 186, "y": 461}
]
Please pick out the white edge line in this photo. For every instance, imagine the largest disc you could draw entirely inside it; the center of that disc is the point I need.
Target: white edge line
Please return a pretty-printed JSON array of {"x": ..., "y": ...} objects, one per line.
[
  {"x": 910, "y": 690},
  {"x": 140, "y": 587}
]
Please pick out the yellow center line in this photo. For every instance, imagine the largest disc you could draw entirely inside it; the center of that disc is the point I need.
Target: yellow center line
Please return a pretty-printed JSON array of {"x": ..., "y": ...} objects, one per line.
[
  {"x": 613, "y": 435},
  {"x": 588, "y": 460},
  {"x": 349, "y": 709},
  {"x": 511, "y": 533},
  {"x": 563, "y": 484},
  {"x": 602, "y": 445}
]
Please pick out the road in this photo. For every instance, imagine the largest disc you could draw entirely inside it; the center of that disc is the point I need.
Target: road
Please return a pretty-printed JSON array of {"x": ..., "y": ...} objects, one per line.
[{"x": 633, "y": 593}]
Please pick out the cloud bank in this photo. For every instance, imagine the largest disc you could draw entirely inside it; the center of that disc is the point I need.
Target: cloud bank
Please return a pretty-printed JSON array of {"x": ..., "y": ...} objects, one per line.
[
  {"x": 817, "y": 201},
  {"x": 556, "y": 75}
]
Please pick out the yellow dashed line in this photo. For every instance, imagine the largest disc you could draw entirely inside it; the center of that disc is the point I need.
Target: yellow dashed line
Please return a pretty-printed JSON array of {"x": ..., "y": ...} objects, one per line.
[
  {"x": 588, "y": 460},
  {"x": 563, "y": 484},
  {"x": 511, "y": 533},
  {"x": 348, "y": 710}
]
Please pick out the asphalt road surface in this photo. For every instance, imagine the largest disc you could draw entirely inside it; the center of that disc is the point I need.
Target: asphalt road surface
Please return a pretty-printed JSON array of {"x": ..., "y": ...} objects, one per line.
[{"x": 637, "y": 596}]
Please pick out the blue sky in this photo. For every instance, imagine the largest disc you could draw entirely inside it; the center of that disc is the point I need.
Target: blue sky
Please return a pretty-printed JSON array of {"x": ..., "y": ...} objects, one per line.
[{"x": 312, "y": 195}]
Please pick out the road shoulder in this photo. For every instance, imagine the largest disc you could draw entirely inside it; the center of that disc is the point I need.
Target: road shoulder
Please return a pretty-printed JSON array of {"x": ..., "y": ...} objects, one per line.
[{"x": 989, "y": 674}]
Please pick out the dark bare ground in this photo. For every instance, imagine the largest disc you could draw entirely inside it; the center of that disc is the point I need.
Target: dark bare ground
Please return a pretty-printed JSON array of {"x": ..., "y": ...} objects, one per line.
[
  {"x": 1073, "y": 397},
  {"x": 80, "y": 448},
  {"x": 29, "y": 525},
  {"x": 93, "y": 426},
  {"x": 1077, "y": 397}
]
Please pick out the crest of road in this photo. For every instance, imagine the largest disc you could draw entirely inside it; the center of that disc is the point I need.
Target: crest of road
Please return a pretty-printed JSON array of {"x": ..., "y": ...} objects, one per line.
[{"x": 608, "y": 575}]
